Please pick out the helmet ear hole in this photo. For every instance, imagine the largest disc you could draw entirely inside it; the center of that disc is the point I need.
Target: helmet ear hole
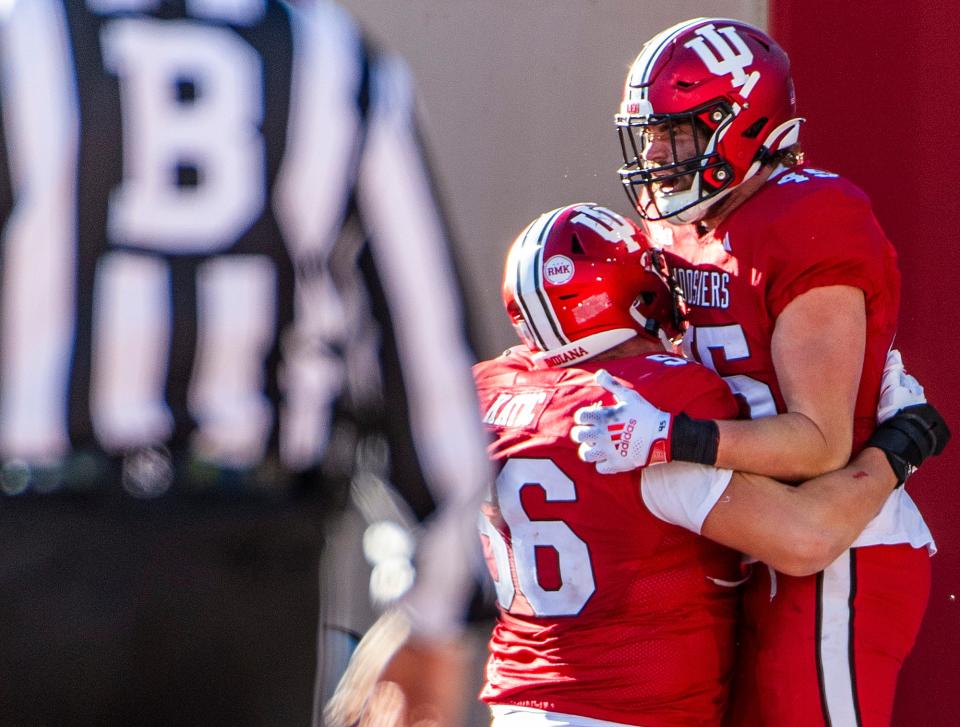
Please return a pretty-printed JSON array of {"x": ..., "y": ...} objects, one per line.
[
  {"x": 647, "y": 297},
  {"x": 577, "y": 246}
]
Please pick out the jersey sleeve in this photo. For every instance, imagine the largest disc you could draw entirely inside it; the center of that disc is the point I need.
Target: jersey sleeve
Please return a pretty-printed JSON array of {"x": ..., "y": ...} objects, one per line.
[
  {"x": 827, "y": 237},
  {"x": 683, "y": 493},
  {"x": 712, "y": 398},
  {"x": 696, "y": 391}
]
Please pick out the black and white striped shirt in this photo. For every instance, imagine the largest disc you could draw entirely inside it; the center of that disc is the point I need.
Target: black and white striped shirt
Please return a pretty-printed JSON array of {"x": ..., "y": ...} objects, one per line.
[{"x": 219, "y": 236}]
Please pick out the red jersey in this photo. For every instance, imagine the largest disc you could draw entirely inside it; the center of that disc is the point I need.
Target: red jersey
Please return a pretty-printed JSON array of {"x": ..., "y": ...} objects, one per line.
[
  {"x": 803, "y": 229},
  {"x": 805, "y": 661},
  {"x": 606, "y": 611}
]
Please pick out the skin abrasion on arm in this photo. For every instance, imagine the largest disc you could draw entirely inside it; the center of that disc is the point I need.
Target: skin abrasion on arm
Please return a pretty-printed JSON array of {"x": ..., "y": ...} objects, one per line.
[
  {"x": 818, "y": 347},
  {"x": 800, "y": 530}
]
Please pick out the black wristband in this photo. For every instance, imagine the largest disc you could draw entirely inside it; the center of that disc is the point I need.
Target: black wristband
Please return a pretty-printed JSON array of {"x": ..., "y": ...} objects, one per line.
[
  {"x": 909, "y": 437},
  {"x": 901, "y": 468},
  {"x": 694, "y": 440}
]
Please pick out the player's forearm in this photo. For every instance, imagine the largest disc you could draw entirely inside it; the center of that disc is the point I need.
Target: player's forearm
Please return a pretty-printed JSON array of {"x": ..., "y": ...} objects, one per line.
[
  {"x": 840, "y": 504},
  {"x": 800, "y": 530},
  {"x": 788, "y": 447}
]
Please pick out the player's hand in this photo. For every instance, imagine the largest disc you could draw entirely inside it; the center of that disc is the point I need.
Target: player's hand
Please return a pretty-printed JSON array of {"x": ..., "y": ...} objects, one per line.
[
  {"x": 898, "y": 389},
  {"x": 432, "y": 679},
  {"x": 396, "y": 679},
  {"x": 626, "y": 436}
]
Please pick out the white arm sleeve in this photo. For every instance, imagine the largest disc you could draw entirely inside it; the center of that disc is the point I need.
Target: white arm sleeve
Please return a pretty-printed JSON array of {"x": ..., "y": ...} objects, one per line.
[
  {"x": 682, "y": 493},
  {"x": 411, "y": 251}
]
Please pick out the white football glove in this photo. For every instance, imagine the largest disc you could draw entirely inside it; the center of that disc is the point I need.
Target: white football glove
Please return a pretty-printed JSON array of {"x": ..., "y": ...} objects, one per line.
[
  {"x": 898, "y": 389},
  {"x": 628, "y": 435}
]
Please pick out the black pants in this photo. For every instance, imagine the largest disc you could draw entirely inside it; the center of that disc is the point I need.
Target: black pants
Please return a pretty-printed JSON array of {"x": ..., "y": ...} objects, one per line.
[{"x": 168, "y": 612}]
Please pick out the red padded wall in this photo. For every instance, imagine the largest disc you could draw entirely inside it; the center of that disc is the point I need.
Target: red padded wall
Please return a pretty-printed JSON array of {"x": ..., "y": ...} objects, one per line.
[{"x": 879, "y": 83}]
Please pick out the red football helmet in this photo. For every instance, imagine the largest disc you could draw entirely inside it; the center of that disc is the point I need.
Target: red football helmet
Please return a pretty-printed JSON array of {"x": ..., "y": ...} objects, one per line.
[
  {"x": 727, "y": 85},
  {"x": 582, "y": 279}
]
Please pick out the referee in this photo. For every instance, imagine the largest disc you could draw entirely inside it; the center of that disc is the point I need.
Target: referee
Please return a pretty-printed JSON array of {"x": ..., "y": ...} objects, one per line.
[{"x": 219, "y": 246}]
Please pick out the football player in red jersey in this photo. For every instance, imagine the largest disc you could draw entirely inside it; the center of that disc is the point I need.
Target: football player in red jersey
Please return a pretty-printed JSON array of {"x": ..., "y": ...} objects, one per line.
[
  {"x": 613, "y": 611},
  {"x": 793, "y": 293}
]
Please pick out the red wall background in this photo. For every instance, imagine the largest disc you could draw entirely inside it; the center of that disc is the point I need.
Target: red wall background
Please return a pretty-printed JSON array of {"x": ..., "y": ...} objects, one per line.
[{"x": 879, "y": 84}]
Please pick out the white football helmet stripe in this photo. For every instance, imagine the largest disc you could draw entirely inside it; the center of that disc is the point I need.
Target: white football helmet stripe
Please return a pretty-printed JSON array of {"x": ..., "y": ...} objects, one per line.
[{"x": 527, "y": 261}]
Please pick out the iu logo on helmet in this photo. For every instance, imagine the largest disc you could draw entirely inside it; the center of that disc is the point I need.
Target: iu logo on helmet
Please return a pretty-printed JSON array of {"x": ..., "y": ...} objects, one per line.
[
  {"x": 606, "y": 223},
  {"x": 728, "y": 54}
]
